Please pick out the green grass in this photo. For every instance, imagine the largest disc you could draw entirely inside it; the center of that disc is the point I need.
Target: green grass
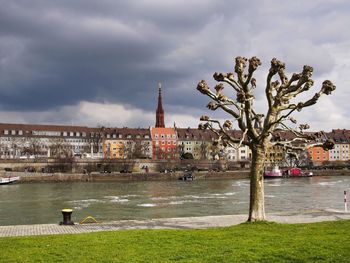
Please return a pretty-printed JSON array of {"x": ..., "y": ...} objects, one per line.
[{"x": 249, "y": 242}]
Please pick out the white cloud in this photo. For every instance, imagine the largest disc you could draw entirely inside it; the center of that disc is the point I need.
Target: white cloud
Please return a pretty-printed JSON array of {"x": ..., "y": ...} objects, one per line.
[{"x": 85, "y": 113}]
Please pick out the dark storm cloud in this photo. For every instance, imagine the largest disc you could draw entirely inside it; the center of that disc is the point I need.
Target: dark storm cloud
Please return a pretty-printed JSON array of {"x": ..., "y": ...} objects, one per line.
[{"x": 60, "y": 53}]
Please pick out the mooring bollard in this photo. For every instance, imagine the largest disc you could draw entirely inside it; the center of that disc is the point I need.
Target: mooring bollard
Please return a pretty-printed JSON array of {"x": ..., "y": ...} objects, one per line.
[
  {"x": 67, "y": 217},
  {"x": 345, "y": 202}
]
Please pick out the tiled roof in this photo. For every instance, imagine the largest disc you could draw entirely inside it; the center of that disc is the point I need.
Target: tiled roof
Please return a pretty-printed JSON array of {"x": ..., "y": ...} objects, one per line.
[{"x": 195, "y": 134}]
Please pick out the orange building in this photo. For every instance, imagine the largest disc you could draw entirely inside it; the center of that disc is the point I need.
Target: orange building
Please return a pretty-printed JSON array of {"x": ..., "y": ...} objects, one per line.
[{"x": 318, "y": 154}]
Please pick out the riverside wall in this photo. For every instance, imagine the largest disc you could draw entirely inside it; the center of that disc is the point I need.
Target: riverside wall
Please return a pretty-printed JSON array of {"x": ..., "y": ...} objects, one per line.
[
  {"x": 26, "y": 177},
  {"x": 153, "y": 176},
  {"x": 96, "y": 165}
]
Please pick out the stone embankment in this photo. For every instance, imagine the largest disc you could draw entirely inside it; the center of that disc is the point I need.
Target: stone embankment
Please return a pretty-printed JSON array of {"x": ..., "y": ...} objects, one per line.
[{"x": 27, "y": 177}]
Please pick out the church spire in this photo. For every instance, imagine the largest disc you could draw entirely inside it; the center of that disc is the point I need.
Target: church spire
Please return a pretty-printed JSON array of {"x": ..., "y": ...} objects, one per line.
[{"x": 160, "y": 111}]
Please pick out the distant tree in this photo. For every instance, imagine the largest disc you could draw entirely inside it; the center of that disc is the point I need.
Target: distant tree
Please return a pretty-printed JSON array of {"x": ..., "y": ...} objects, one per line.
[
  {"x": 33, "y": 146},
  {"x": 58, "y": 148},
  {"x": 139, "y": 150},
  {"x": 187, "y": 156},
  {"x": 97, "y": 140},
  {"x": 258, "y": 129}
]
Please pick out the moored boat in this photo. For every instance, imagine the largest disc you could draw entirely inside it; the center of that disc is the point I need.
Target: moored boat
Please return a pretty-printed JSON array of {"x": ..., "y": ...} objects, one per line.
[
  {"x": 275, "y": 172},
  {"x": 188, "y": 176},
  {"x": 296, "y": 172},
  {"x": 9, "y": 180}
]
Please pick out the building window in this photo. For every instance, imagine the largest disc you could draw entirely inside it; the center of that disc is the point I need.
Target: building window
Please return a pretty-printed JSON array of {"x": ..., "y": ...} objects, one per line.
[
  {"x": 6, "y": 132},
  {"x": 20, "y": 132},
  {"x": 13, "y": 132},
  {"x": 71, "y": 133}
]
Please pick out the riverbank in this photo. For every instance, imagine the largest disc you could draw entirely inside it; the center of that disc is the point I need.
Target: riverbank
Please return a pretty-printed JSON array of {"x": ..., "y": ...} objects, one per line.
[
  {"x": 27, "y": 177},
  {"x": 257, "y": 242}
]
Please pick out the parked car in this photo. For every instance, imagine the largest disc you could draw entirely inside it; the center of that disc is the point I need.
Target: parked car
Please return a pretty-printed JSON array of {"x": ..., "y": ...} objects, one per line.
[
  {"x": 125, "y": 171},
  {"x": 166, "y": 171},
  {"x": 30, "y": 169}
]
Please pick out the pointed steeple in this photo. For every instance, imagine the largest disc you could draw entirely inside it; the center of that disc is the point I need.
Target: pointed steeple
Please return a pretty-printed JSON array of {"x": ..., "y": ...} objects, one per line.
[{"x": 160, "y": 111}]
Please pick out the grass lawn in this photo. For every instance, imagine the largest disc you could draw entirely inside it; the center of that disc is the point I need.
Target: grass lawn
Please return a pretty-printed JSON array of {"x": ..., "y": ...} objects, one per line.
[{"x": 249, "y": 242}]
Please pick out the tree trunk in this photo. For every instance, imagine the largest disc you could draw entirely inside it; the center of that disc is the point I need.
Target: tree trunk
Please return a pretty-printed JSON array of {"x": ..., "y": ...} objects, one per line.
[{"x": 257, "y": 202}]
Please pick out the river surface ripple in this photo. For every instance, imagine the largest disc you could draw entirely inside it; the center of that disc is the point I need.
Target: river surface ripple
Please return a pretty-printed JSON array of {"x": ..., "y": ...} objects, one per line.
[{"x": 41, "y": 203}]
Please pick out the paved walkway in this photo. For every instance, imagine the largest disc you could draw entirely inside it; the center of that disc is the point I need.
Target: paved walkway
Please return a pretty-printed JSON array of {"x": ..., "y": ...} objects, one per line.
[{"x": 175, "y": 223}]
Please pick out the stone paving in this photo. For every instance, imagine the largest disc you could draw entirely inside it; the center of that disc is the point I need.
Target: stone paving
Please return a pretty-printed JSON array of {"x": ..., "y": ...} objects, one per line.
[{"x": 171, "y": 223}]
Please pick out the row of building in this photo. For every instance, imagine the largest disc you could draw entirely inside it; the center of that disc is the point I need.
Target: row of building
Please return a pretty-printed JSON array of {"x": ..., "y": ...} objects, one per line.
[
  {"x": 54, "y": 141},
  {"x": 22, "y": 141}
]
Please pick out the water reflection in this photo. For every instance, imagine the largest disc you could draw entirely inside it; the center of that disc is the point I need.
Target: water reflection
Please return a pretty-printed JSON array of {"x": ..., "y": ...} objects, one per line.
[{"x": 41, "y": 203}]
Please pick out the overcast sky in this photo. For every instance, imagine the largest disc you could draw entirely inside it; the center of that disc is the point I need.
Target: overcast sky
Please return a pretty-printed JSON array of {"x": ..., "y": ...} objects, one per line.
[{"x": 85, "y": 62}]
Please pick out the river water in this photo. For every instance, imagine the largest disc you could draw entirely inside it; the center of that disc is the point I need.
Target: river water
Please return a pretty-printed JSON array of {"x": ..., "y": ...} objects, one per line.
[{"x": 39, "y": 203}]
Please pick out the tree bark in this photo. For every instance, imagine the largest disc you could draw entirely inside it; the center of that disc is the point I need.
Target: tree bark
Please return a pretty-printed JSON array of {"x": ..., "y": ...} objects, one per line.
[{"x": 257, "y": 207}]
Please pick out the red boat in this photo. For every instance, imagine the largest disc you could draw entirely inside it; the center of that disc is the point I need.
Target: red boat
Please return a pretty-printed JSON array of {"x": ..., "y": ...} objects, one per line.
[{"x": 296, "y": 172}]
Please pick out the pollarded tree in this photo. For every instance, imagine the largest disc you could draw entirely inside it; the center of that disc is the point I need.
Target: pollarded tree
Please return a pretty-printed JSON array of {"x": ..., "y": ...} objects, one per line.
[{"x": 259, "y": 130}]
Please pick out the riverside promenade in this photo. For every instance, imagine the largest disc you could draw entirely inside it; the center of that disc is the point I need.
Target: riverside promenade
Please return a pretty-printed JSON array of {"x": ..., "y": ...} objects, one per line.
[{"x": 171, "y": 223}]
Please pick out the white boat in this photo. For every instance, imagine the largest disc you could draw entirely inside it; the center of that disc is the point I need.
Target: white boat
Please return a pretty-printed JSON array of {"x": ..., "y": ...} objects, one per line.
[
  {"x": 273, "y": 173},
  {"x": 9, "y": 180}
]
